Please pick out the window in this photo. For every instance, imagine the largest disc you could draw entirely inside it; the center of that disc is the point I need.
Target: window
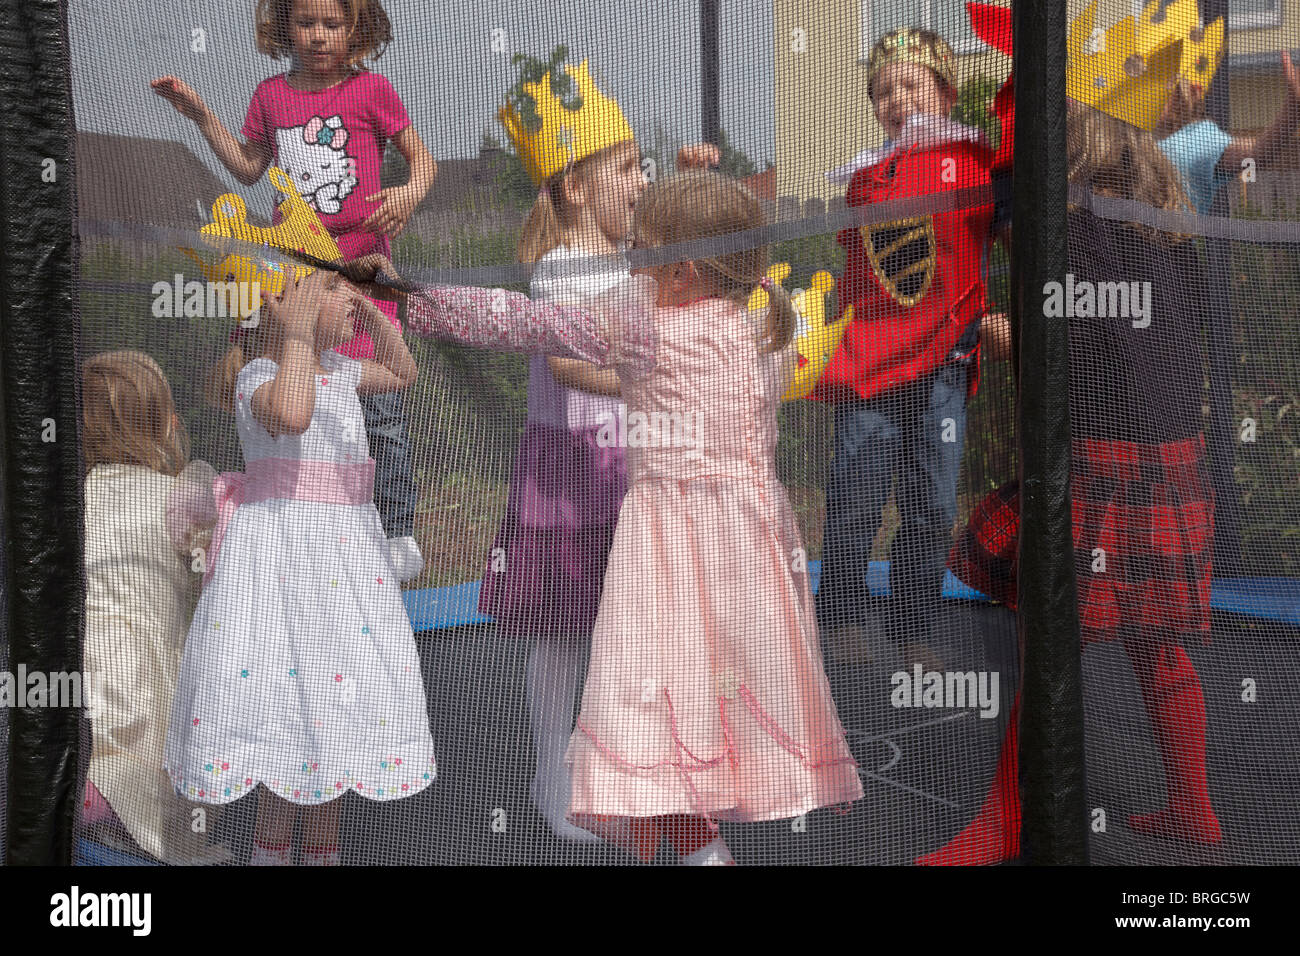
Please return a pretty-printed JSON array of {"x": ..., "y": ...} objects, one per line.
[
  {"x": 1249, "y": 14},
  {"x": 1242, "y": 14},
  {"x": 946, "y": 17}
]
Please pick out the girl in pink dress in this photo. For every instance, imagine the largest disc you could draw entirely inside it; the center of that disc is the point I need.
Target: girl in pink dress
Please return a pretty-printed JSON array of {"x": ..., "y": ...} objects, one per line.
[
  {"x": 706, "y": 698},
  {"x": 326, "y": 123},
  {"x": 545, "y": 568}
]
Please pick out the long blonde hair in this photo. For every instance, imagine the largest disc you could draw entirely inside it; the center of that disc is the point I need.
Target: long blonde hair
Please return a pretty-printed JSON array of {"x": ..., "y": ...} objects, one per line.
[
  {"x": 128, "y": 415},
  {"x": 1113, "y": 158},
  {"x": 701, "y": 204},
  {"x": 551, "y": 214}
]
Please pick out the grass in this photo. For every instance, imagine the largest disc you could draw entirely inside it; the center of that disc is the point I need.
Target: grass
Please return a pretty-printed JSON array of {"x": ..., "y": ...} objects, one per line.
[{"x": 473, "y": 403}]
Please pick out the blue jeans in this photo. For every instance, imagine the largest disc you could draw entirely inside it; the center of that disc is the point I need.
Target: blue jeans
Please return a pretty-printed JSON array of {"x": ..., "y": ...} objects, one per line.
[
  {"x": 390, "y": 447},
  {"x": 912, "y": 433}
]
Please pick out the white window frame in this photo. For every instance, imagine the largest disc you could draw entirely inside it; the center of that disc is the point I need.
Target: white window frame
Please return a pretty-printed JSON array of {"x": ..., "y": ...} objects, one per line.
[
  {"x": 1255, "y": 21},
  {"x": 1236, "y": 21},
  {"x": 965, "y": 45}
]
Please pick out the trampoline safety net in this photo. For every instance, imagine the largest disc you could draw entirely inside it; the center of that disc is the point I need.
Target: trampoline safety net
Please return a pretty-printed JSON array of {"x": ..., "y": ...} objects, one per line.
[{"x": 579, "y": 433}]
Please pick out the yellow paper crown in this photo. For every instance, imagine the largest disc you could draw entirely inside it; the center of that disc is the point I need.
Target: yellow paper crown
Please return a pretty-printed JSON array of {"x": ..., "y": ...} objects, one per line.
[
  {"x": 816, "y": 340},
  {"x": 299, "y": 230},
  {"x": 1108, "y": 72},
  {"x": 565, "y": 135},
  {"x": 911, "y": 46},
  {"x": 1162, "y": 22}
]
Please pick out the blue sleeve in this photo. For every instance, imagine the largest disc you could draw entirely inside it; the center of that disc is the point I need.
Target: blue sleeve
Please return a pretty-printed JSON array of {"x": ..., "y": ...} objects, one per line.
[{"x": 1195, "y": 150}]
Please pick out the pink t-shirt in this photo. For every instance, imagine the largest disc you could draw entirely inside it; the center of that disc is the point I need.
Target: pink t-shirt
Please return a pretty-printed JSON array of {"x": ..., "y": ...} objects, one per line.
[{"x": 331, "y": 144}]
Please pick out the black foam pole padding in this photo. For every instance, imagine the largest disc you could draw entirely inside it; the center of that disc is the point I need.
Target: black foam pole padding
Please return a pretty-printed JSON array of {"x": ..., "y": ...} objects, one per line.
[
  {"x": 1217, "y": 97},
  {"x": 710, "y": 73},
  {"x": 1055, "y": 827},
  {"x": 38, "y": 394},
  {"x": 1222, "y": 431}
]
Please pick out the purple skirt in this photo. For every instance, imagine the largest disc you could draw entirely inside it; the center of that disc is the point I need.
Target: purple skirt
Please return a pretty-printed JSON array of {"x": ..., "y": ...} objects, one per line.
[{"x": 544, "y": 573}]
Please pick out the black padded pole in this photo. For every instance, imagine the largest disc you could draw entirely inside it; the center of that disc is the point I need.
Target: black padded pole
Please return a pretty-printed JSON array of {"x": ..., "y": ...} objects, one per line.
[
  {"x": 38, "y": 395},
  {"x": 1217, "y": 97},
  {"x": 1052, "y": 751},
  {"x": 1222, "y": 437},
  {"x": 710, "y": 73}
]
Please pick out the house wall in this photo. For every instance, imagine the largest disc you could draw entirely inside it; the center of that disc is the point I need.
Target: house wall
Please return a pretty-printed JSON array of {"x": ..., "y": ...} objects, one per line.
[{"x": 824, "y": 117}]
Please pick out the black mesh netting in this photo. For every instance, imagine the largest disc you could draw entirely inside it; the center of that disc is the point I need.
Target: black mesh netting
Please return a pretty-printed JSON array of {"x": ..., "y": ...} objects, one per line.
[{"x": 518, "y": 558}]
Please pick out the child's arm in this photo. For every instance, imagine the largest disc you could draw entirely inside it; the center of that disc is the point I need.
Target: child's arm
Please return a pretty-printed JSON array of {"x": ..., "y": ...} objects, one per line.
[
  {"x": 584, "y": 377},
  {"x": 191, "y": 510},
  {"x": 995, "y": 337},
  {"x": 392, "y": 368},
  {"x": 616, "y": 329},
  {"x": 285, "y": 404},
  {"x": 398, "y": 202},
  {"x": 246, "y": 161},
  {"x": 1269, "y": 146}
]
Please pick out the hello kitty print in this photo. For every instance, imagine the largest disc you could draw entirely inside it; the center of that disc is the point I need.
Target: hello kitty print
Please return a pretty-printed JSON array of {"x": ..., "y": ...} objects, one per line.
[
  {"x": 331, "y": 144},
  {"x": 315, "y": 159}
]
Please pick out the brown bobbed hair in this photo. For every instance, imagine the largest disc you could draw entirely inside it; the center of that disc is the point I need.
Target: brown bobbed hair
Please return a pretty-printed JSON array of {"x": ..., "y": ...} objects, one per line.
[{"x": 369, "y": 29}]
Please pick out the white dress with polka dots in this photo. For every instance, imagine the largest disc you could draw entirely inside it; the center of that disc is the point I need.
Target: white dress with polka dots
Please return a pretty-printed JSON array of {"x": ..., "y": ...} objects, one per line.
[{"x": 300, "y": 669}]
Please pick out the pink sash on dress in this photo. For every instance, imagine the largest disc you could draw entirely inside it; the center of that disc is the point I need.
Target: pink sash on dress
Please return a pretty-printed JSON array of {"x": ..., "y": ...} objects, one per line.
[{"x": 294, "y": 479}]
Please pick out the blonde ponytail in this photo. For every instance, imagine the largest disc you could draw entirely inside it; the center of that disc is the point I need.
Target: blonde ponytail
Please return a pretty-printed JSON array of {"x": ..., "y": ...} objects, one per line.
[{"x": 541, "y": 232}]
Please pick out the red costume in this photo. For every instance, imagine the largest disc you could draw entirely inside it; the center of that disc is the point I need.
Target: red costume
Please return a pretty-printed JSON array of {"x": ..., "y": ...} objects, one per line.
[
  {"x": 914, "y": 284},
  {"x": 993, "y": 26}
]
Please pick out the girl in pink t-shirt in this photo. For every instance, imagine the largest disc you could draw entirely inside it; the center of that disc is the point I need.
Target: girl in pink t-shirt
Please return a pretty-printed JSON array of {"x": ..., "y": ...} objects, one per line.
[{"x": 326, "y": 123}]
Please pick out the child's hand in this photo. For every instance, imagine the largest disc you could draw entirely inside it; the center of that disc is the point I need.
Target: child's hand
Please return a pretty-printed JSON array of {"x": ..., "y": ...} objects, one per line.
[
  {"x": 182, "y": 96},
  {"x": 396, "y": 205},
  {"x": 298, "y": 309},
  {"x": 698, "y": 156},
  {"x": 363, "y": 269},
  {"x": 995, "y": 337}
]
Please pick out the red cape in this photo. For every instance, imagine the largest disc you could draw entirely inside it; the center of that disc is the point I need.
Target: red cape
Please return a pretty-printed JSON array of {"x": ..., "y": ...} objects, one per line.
[{"x": 993, "y": 26}]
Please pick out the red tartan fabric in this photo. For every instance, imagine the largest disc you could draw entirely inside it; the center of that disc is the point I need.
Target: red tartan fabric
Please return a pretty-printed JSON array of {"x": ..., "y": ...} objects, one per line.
[
  {"x": 1143, "y": 519},
  {"x": 1149, "y": 509},
  {"x": 984, "y": 556}
]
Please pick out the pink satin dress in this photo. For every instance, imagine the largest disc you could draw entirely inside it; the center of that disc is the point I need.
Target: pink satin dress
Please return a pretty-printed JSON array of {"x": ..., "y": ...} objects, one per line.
[{"x": 706, "y": 693}]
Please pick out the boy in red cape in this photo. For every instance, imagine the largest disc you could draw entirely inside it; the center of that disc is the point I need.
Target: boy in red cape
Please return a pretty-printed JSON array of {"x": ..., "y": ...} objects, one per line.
[{"x": 907, "y": 361}]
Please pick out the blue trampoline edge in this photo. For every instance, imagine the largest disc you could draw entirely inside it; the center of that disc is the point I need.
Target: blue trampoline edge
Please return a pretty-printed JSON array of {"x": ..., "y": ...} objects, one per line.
[{"x": 1267, "y": 598}]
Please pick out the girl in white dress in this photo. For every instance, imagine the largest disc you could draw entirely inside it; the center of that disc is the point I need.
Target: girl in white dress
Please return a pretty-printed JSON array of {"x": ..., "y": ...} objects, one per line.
[
  {"x": 300, "y": 671},
  {"x": 140, "y": 594}
]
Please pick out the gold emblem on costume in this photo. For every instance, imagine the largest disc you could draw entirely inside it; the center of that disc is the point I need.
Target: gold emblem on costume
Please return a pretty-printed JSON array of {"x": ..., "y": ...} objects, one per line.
[{"x": 902, "y": 256}]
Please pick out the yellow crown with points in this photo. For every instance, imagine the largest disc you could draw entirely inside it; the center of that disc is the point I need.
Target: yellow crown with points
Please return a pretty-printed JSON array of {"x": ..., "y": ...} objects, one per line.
[
  {"x": 1163, "y": 22},
  {"x": 565, "y": 135},
  {"x": 1108, "y": 71},
  {"x": 299, "y": 230},
  {"x": 816, "y": 340}
]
